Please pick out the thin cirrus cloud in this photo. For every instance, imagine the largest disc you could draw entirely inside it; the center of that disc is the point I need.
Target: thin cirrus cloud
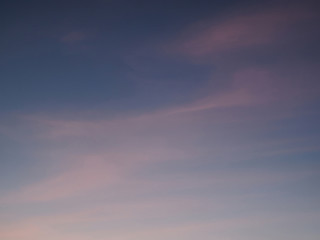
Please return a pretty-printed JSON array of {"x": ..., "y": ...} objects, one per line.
[
  {"x": 125, "y": 196},
  {"x": 229, "y": 46},
  {"x": 55, "y": 226},
  {"x": 241, "y": 30},
  {"x": 86, "y": 175},
  {"x": 254, "y": 87},
  {"x": 87, "y": 167},
  {"x": 159, "y": 212},
  {"x": 237, "y": 160}
]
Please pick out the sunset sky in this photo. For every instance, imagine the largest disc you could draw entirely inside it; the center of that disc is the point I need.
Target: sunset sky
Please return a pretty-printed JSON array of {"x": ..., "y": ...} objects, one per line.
[{"x": 159, "y": 120}]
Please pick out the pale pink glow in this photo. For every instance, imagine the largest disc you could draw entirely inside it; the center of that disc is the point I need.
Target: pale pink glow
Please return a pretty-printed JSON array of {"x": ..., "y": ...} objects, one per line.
[
  {"x": 187, "y": 230},
  {"x": 52, "y": 228},
  {"x": 109, "y": 171},
  {"x": 22, "y": 231},
  {"x": 239, "y": 31},
  {"x": 36, "y": 229},
  {"x": 219, "y": 229},
  {"x": 87, "y": 175},
  {"x": 125, "y": 214},
  {"x": 100, "y": 170}
]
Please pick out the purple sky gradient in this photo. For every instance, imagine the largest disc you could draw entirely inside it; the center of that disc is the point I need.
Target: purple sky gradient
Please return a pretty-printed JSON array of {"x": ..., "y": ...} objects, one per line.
[{"x": 129, "y": 120}]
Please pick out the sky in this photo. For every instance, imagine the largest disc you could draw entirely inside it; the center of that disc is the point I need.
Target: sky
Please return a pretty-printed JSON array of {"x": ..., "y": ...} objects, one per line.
[{"x": 163, "y": 120}]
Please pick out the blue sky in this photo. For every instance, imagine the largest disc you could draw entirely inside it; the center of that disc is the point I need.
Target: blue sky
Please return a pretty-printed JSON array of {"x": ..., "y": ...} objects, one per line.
[{"x": 130, "y": 120}]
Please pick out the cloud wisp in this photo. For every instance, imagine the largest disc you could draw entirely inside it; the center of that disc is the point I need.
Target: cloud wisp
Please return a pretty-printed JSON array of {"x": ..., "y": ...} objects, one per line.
[
  {"x": 229, "y": 152},
  {"x": 247, "y": 29}
]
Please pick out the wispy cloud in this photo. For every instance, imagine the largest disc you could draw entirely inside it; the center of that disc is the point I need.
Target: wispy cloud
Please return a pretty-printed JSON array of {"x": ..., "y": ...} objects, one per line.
[
  {"x": 104, "y": 154},
  {"x": 88, "y": 174},
  {"x": 249, "y": 28},
  {"x": 226, "y": 150}
]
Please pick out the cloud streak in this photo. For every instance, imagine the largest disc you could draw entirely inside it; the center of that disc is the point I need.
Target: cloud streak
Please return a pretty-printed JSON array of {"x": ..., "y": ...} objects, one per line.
[
  {"x": 246, "y": 29},
  {"x": 229, "y": 153}
]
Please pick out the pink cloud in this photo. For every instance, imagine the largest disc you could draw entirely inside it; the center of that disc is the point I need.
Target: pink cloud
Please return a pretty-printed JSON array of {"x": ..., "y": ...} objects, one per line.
[
  {"x": 241, "y": 30},
  {"x": 256, "y": 87},
  {"x": 82, "y": 172},
  {"x": 117, "y": 171},
  {"x": 105, "y": 169},
  {"x": 120, "y": 218},
  {"x": 250, "y": 87},
  {"x": 88, "y": 174},
  {"x": 68, "y": 226},
  {"x": 19, "y": 231}
]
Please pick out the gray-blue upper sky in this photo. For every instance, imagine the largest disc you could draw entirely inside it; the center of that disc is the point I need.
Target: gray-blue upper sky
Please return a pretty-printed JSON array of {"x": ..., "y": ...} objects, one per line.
[{"x": 64, "y": 54}]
